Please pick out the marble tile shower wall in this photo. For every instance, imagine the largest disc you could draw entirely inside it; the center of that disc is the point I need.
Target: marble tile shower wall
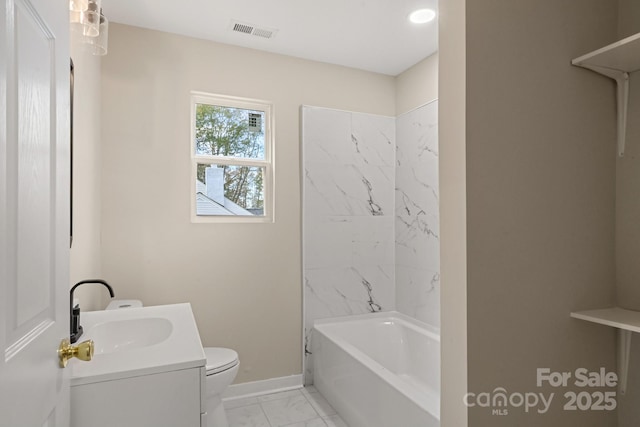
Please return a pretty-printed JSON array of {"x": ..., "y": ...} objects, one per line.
[
  {"x": 348, "y": 224},
  {"x": 370, "y": 215},
  {"x": 417, "y": 215}
]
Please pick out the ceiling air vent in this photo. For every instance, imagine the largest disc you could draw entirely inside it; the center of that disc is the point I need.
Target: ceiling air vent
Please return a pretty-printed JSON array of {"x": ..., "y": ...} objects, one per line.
[
  {"x": 261, "y": 32},
  {"x": 243, "y": 27}
]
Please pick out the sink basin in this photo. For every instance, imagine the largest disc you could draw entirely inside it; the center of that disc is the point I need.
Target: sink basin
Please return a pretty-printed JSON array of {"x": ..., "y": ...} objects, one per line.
[
  {"x": 138, "y": 341},
  {"x": 123, "y": 335}
]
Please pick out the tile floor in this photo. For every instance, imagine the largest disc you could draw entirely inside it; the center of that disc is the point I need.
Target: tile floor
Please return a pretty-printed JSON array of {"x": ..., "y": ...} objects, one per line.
[{"x": 296, "y": 408}]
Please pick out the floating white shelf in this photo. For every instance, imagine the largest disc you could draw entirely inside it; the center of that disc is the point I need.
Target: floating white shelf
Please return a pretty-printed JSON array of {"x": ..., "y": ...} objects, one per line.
[
  {"x": 621, "y": 56},
  {"x": 616, "y": 61},
  {"x": 626, "y": 321},
  {"x": 620, "y": 318}
]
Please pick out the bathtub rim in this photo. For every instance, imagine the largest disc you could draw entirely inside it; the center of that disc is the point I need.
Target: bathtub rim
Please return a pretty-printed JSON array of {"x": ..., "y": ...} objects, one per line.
[
  {"x": 415, "y": 323},
  {"x": 405, "y": 388}
]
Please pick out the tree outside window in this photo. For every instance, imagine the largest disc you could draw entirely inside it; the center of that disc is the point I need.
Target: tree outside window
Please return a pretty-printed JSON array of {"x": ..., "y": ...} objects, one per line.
[{"x": 232, "y": 158}]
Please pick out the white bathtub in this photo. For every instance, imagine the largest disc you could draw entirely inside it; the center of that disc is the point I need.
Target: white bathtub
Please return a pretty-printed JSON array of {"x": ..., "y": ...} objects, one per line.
[{"x": 379, "y": 369}]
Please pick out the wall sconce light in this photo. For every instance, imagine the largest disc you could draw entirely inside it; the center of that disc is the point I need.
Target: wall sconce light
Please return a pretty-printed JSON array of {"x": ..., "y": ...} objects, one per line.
[
  {"x": 89, "y": 25},
  {"x": 78, "y": 5}
]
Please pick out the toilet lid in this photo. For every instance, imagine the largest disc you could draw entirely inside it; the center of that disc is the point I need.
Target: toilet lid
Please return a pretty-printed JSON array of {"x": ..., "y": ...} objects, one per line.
[{"x": 220, "y": 359}]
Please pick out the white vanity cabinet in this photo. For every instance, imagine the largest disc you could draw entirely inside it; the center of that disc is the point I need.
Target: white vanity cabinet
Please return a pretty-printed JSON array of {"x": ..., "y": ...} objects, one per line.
[
  {"x": 148, "y": 370},
  {"x": 168, "y": 399}
]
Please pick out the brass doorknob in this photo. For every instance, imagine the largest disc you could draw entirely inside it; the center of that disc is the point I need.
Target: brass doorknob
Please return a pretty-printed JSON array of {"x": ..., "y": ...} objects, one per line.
[{"x": 66, "y": 351}]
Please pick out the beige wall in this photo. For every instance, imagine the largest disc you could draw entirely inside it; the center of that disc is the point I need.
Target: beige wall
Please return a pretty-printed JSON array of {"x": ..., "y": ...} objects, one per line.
[
  {"x": 540, "y": 153},
  {"x": 628, "y": 182},
  {"x": 243, "y": 280},
  {"x": 627, "y": 225},
  {"x": 418, "y": 85},
  {"x": 628, "y": 18},
  {"x": 453, "y": 211},
  {"x": 540, "y": 199},
  {"x": 85, "y": 260}
]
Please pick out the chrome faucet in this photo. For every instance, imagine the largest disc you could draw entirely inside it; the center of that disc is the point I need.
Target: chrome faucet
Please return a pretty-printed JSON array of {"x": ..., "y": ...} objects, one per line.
[{"x": 74, "y": 312}]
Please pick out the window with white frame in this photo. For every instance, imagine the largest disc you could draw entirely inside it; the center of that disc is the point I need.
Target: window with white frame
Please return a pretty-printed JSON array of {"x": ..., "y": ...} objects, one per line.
[{"x": 232, "y": 159}]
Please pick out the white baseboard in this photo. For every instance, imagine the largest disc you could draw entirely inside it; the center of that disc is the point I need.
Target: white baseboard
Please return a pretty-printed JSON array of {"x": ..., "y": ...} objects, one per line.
[{"x": 258, "y": 388}]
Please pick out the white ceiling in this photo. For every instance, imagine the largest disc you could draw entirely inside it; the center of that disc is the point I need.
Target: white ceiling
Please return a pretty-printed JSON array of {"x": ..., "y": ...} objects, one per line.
[{"x": 373, "y": 35}]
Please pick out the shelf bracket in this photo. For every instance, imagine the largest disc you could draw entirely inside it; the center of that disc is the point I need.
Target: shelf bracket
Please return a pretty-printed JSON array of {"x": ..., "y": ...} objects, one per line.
[
  {"x": 622, "y": 82},
  {"x": 624, "y": 350}
]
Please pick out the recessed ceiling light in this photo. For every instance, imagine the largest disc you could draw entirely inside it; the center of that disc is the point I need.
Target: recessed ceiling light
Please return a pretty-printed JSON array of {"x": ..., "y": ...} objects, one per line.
[{"x": 422, "y": 16}]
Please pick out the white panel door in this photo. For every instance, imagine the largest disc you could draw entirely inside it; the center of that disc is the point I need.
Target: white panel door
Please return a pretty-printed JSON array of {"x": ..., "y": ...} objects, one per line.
[{"x": 34, "y": 211}]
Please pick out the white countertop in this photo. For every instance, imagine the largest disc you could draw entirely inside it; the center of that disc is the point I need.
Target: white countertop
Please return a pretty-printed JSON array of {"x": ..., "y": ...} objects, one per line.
[{"x": 182, "y": 349}]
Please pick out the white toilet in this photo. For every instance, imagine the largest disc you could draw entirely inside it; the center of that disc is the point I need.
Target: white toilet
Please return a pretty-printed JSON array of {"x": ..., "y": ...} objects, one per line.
[{"x": 222, "y": 367}]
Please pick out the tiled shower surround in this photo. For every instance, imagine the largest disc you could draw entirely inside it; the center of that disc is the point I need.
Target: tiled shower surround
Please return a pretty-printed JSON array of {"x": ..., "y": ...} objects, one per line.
[
  {"x": 417, "y": 219},
  {"x": 370, "y": 215}
]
